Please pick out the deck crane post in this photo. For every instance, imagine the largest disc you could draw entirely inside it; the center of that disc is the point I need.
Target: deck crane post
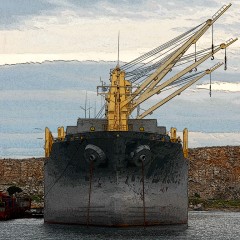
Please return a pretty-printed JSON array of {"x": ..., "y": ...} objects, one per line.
[{"x": 48, "y": 142}]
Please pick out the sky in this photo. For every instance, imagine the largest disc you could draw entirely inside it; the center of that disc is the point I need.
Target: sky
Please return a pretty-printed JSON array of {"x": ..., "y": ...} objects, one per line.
[
  {"x": 35, "y": 31},
  {"x": 40, "y": 39}
]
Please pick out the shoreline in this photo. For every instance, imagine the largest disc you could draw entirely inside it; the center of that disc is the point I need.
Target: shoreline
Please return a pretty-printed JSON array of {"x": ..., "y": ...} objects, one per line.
[
  {"x": 213, "y": 178},
  {"x": 215, "y": 210},
  {"x": 199, "y": 204}
]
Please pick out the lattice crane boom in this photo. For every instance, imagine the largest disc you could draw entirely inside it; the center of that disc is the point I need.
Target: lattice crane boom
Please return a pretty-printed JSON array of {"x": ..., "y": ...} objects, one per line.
[
  {"x": 171, "y": 96},
  {"x": 158, "y": 75},
  {"x": 121, "y": 100},
  {"x": 156, "y": 90}
]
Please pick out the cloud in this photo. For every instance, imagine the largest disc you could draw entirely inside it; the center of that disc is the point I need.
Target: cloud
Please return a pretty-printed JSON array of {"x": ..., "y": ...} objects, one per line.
[
  {"x": 87, "y": 30},
  {"x": 14, "y": 12},
  {"x": 200, "y": 139},
  {"x": 221, "y": 86}
]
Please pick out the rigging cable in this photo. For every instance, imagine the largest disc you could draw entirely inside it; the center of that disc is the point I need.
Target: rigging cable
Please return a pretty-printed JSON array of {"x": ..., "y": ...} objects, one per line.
[
  {"x": 182, "y": 81},
  {"x": 210, "y": 85},
  {"x": 195, "y": 55},
  {"x": 188, "y": 58},
  {"x": 212, "y": 45},
  {"x": 143, "y": 72},
  {"x": 225, "y": 60},
  {"x": 158, "y": 49},
  {"x": 179, "y": 43}
]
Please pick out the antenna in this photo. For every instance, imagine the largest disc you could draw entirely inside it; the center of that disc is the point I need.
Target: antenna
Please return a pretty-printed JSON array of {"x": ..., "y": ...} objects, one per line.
[
  {"x": 86, "y": 105},
  {"x": 118, "y": 48},
  {"x": 85, "y": 109},
  {"x": 95, "y": 109},
  {"x": 89, "y": 112}
]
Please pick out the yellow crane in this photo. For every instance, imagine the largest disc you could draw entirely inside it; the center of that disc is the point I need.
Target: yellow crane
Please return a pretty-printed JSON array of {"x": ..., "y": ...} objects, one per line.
[
  {"x": 137, "y": 81},
  {"x": 122, "y": 99}
]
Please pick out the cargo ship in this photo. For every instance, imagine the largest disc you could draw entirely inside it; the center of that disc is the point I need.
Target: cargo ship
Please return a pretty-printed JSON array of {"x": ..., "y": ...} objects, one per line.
[{"x": 119, "y": 171}]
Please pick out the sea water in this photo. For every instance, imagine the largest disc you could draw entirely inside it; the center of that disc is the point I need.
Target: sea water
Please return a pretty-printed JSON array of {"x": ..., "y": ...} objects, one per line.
[{"x": 202, "y": 225}]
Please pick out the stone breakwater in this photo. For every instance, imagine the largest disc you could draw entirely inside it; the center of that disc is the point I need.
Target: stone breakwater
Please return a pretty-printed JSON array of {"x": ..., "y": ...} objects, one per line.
[
  {"x": 214, "y": 173},
  {"x": 24, "y": 173}
]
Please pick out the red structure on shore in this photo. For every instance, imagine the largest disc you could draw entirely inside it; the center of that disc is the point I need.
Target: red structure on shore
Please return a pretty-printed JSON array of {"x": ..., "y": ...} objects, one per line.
[{"x": 13, "y": 207}]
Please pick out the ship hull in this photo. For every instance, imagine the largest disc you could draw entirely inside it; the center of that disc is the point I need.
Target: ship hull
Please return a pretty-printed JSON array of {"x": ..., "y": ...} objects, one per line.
[{"x": 116, "y": 192}]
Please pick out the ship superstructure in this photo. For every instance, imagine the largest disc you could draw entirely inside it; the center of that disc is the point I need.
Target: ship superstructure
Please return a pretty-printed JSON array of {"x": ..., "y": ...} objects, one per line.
[{"x": 118, "y": 171}]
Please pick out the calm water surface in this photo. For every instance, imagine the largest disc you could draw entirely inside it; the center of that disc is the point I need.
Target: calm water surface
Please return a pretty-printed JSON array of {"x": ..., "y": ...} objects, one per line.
[{"x": 202, "y": 225}]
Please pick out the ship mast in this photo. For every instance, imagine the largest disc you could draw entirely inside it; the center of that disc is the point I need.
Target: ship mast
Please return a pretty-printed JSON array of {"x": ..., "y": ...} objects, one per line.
[{"x": 120, "y": 90}]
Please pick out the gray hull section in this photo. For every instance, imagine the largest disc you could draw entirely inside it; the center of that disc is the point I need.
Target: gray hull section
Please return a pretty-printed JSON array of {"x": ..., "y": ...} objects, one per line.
[{"x": 111, "y": 193}]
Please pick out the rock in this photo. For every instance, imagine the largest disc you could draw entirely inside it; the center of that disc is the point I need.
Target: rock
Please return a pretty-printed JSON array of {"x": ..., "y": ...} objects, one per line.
[
  {"x": 24, "y": 173},
  {"x": 198, "y": 207},
  {"x": 213, "y": 172}
]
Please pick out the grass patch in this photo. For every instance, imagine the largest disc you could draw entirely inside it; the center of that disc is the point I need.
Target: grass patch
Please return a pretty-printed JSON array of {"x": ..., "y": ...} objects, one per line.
[
  {"x": 36, "y": 198},
  {"x": 215, "y": 203},
  {"x": 219, "y": 203}
]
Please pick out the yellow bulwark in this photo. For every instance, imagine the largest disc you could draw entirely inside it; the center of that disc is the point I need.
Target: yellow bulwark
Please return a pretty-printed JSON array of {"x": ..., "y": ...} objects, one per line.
[
  {"x": 49, "y": 139},
  {"x": 120, "y": 89},
  {"x": 173, "y": 132},
  {"x": 48, "y": 142},
  {"x": 185, "y": 142},
  {"x": 174, "y": 138},
  {"x": 61, "y": 133}
]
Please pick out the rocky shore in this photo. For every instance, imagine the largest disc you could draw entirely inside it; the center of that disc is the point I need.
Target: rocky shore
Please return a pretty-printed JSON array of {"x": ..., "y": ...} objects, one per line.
[{"x": 214, "y": 177}]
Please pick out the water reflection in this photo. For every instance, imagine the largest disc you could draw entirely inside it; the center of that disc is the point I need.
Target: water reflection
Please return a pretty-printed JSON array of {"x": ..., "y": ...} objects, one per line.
[{"x": 202, "y": 225}]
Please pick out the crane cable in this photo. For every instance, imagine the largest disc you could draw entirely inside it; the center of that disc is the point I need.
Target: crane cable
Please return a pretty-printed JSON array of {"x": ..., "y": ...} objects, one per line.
[
  {"x": 158, "y": 49},
  {"x": 212, "y": 45},
  {"x": 147, "y": 71},
  {"x": 157, "y": 64},
  {"x": 195, "y": 55},
  {"x": 143, "y": 72},
  {"x": 162, "y": 55},
  {"x": 182, "y": 81},
  {"x": 210, "y": 85},
  {"x": 225, "y": 60}
]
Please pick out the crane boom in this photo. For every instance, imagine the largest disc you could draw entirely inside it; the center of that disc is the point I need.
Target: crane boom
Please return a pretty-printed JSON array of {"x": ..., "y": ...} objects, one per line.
[
  {"x": 156, "y": 90},
  {"x": 165, "y": 100},
  {"x": 121, "y": 99},
  {"x": 165, "y": 68},
  {"x": 157, "y": 76}
]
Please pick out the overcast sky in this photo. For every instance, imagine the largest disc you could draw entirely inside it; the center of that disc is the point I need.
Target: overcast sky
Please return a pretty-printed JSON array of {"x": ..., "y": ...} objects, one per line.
[{"x": 34, "y": 31}]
